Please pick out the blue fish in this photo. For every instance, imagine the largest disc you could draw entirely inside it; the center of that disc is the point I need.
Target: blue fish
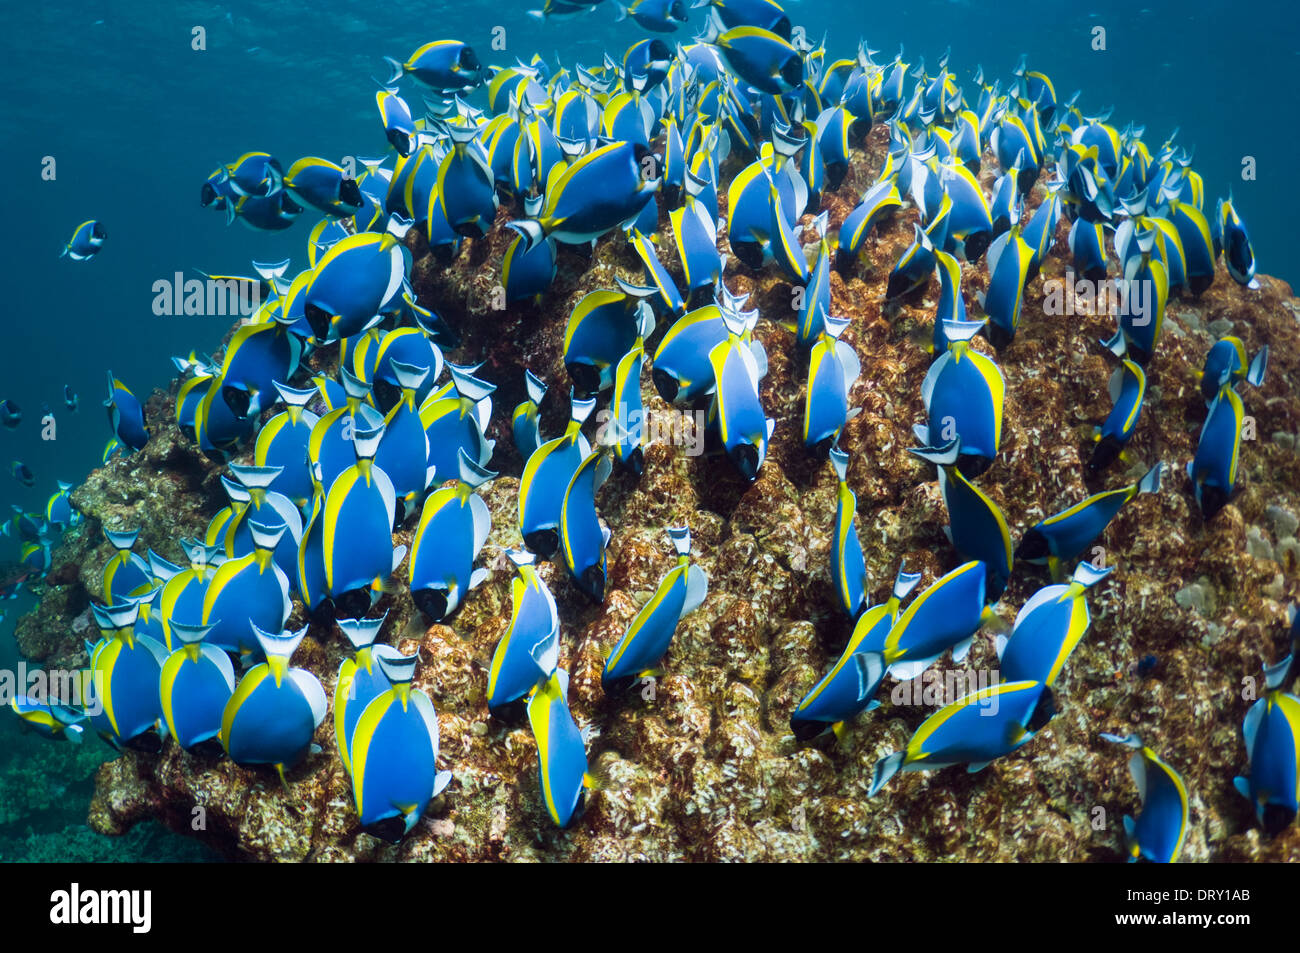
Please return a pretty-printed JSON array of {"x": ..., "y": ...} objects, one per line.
[
  {"x": 529, "y": 651},
  {"x": 628, "y": 412},
  {"x": 976, "y": 526},
  {"x": 833, "y": 369},
  {"x": 445, "y": 66},
  {"x": 1009, "y": 261},
  {"x": 403, "y": 453},
  {"x": 247, "y": 589},
  {"x": 58, "y": 722},
  {"x": 1048, "y": 627},
  {"x": 1238, "y": 255},
  {"x": 275, "y": 710},
  {"x": 603, "y": 327},
  {"x": 974, "y": 730},
  {"x": 561, "y": 753},
  {"x": 282, "y": 442},
  {"x": 1270, "y": 731},
  {"x": 524, "y": 420},
  {"x": 643, "y": 645},
  {"x": 736, "y": 416},
  {"x": 11, "y": 415},
  {"x": 545, "y": 478},
  {"x": 194, "y": 686},
  {"x": 360, "y": 680},
  {"x": 454, "y": 525},
  {"x": 878, "y": 203},
  {"x": 324, "y": 185},
  {"x": 914, "y": 269},
  {"x": 1128, "y": 387},
  {"x": 946, "y": 615},
  {"x": 458, "y": 421},
  {"x": 1158, "y": 833},
  {"x": 1213, "y": 471},
  {"x": 1066, "y": 535},
  {"x": 125, "y": 668},
  {"x": 126, "y": 574},
  {"x": 360, "y": 277},
  {"x": 394, "y": 749},
  {"x": 86, "y": 241},
  {"x": 848, "y": 567},
  {"x": 849, "y": 688},
  {"x": 1229, "y": 355},
  {"x": 22, "y": 473},
  {"x": 125, "y": 415},
  {"x": 465, "y": 183},
  {"x": 583, "y": 539}
]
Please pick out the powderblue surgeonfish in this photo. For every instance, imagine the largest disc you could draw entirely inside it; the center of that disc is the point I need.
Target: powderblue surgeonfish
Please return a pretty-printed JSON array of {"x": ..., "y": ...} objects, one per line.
[
  {"x": 1067, "y": 535},
  {"x": 247, "y": 589},
  {"x": 1047, "y": 628},
  {"x": 445, "y": 66},
  {"x": 833, "y": 369},
  {"x": 583, "y": 539},
  {"x": 1230, "y": 234},
  {"x": 11, "y": 415},
  {"x": 194, "y": 686},
  {"x": 848, "y": 567},
  {"x": 1009, "y": 261},
  {"x": 355, "y": 280},
  {"x": 86, "y": 241},
  {"x": 914, "y": 269},
  {"x": 454, "y": 525},
  {"x": 524, "y": 420},
  {"x": 360, "y": 679},
  {"x": 625, "y": 427},
  {"x": 403, "y": 453},
  {"x": 974, "y": 730},
  {"x": 561, "y": 752},
  {"x": 962, "y": 393},
  {"x": 683, "y": 371},
  {"x": 1271, "y": 732},
  {"x": 357, "y": 523},
  {"x": 60, "y": 722},
  {"x": 252, "y": 500},
  {"x": 976, "y": 526},
  {"x": 23, "y": 473},
  {"x": 645, "y": 642},
  {"x": 764, "y": 60},
  {"x": 127, "y": 573},
  {"x": 878, "y": 203},
  {"x": 695, "y": 230},
  {"x": 529, "y": 651},
  {"x": 1128, "y": 387},
  {"x": 1160, "y": 829},
  {"x": 458, "y": 421},
  {"x": 275, "y": 709},
  {"x": 465, "y": 184},
  {"x": 125, "y": 415},
  {"x": 125, "y": 668},
  {"x": 603, "y": 326},
  {"x": 945, "y": 615},
  {"x": 183, "y": 593},
  {"x": 595, "y": 194},
  {"x": 324, "y": 185},
  {"x": 1229, "y": 354},
  {"x": 282, "y": 442},
  {"x": 849, "y": 688},
  {"x": 393, "y": 754},
  {"x": 1213, "y": 470},
  {"x": 736, "y": 417},
  {"x": 527, "y": 271},
  {"x": 545, "y": 479}
]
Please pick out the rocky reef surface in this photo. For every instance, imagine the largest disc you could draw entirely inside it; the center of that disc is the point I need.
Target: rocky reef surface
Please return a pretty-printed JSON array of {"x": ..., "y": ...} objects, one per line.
[{"x": 701, "y": 764}]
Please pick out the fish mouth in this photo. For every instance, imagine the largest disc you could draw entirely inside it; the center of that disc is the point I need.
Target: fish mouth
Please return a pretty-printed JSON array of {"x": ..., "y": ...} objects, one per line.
[
  {"x": 542, "y": 542},
  {"x": 592, "y": 582},
  {"x": 431, "y": 602}
]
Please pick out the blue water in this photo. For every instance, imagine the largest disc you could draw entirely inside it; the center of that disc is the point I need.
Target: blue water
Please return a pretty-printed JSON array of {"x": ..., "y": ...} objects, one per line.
[{"x": 135, "y": 119}]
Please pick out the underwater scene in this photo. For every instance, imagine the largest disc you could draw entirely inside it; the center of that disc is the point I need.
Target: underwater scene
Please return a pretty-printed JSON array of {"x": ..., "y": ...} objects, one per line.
[{"x": 673, "y": 430}]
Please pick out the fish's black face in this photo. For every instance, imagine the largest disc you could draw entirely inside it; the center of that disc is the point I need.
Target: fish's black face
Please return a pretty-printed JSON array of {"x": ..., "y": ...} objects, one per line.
[
  {"x": 318, "y": 320},
  {"x": 469, "y": 60},
  {"x": 390, "y": 829},
  {"x": 236, "y": 399},
  {"x": 998, "y": 336},
  {"x": 634, "y": 462},
  {"x": 678, "y": 11},
  {"x": 99, "y": 232},
  {"x": 658, "y": 51},
  {"x": 350, "y": 193},
  {"x": 432, "y": 602},
  {"x": 1103, "y": 455},
  {"x": 972, "y": 466},
  {"x": 353, "y": 604},
  {"x": 1213, "y": 499},
  {"x": 387, "y": 394},
  {"x": 511, "y": 713},
  {"x": 665, "y": 384},
  {"x": 150, "y": 743},
  {"x": 399, "y": 141},
  {"x": 782, "y": 28},
  {"x": 542, "y": 542},
  {"x": 750, "y": 254},
  {"x": 618, "y": 686},
  {"x": 1044, "y": 711},
  {"x": 1277, "y": 818},
  {"x": 805, "y": 729},
  {"x": 1033, "y": 546},
  {"x": 207, "y": 195},
  {"x": 585, "y": 377},
  {"x": 792, "y": 72},
  {"x": 592, "y": 582},
  {"x": 744, "y": 458}
]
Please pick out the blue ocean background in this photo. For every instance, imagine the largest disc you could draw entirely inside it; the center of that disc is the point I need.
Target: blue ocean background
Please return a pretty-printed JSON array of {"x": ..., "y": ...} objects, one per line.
[{"x": 135, "y": 119}]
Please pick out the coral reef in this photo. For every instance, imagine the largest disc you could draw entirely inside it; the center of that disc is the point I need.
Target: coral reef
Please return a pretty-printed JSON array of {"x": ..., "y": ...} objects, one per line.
[{"x": 700, "y": 765}]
